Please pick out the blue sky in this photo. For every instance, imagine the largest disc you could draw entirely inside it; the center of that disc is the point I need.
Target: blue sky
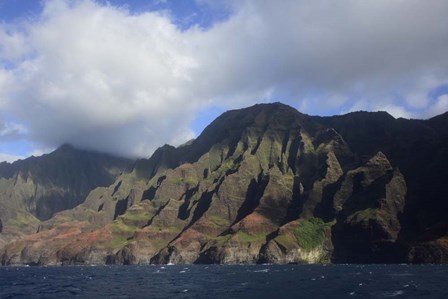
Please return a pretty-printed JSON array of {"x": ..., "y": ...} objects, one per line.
[
  {"x": 185, "y": 12},
  {"x": 128, "y": 76}
]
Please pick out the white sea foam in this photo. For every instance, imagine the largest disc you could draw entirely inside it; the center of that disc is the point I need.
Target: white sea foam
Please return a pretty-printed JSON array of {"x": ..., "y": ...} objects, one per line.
[{"x": 393, "y": 293}]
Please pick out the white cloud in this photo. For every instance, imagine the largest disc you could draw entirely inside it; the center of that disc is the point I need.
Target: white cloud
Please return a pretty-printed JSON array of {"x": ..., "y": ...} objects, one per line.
[
  {"x": 10, "y": 158},
  {"x": 439, "y": 107},
  {"x": 102, "y": 78},
  {"x": 12, "y": 45},
  {"x": 11, "y": 130},
  {"x": 6, "y": 87},
  {"x": 396, "y": 111}
]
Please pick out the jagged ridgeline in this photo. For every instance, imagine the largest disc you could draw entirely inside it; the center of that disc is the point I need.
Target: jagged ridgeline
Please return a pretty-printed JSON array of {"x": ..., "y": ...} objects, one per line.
[{"x": 265, "y": 184}]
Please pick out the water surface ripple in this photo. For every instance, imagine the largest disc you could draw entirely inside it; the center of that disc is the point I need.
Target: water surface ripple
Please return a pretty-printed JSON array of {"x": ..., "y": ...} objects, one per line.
[{"x": 226, "y": 281}]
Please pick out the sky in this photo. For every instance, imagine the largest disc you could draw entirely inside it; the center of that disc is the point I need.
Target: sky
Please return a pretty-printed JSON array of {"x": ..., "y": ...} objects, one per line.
[{"x": 126, "y": 77}]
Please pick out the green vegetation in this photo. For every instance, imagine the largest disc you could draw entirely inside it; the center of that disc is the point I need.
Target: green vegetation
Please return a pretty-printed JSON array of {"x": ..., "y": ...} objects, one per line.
[
  {"x": 225, "y": 166},
  {"x": 192, "y": 181},
  {"x": 221, "y": 240},
  {"x": 136, "y": 216},
  {"x": 218, "y": 222},
  {"x": 311, "y": 233},
  {"x": 240, "y": 236},
  {"x": 159, "y": 243},
  {"x": 117, "y": 241},
  {"x": 120, "y": 227},
  {"x": 165, "y": 229},
  {"x": 24, "y": 222},
  {"x": 228, "y": 164},
  {"x": 308, "y": 142},
  {"x": 285, "y": 240},
  {"x": 216, "y": 155},
  {"x": 286, "y": 180},
  {"x": 121, "y": 232},
  {"x": 364, "y": 215},
  {"x": 243, "y": 237},
  {"x": 268, "y": 152},
  {"x": 155, "y": 228}
]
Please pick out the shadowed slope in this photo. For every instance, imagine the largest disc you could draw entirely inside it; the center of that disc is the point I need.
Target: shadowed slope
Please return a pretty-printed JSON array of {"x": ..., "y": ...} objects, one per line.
[{"x": 266, "y": 184}]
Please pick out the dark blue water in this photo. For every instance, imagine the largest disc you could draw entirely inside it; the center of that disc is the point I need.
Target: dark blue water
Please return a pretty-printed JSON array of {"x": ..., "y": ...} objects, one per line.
[{"x": 214, "y": 281}]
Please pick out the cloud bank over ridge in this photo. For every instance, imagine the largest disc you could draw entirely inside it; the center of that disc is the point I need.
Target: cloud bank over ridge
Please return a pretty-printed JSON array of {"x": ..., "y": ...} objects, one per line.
[{"x": 104, "y": 78}]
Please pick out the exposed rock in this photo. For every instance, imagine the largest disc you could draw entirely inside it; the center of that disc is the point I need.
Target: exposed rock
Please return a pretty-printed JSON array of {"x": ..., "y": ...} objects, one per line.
[
  {"x": 368, "y": 204},
  {"x": 433, "y": 252},
  {"x": 265, "y": 184},
  {"x": 34, "y": 189},
  {"x": 299, "y": 241}
]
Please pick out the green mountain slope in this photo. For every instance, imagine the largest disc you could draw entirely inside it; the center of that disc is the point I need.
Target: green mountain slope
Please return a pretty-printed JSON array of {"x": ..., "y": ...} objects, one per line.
[
  {"x": 265, "y": 184},
  {"x": 34, "y": 189}
]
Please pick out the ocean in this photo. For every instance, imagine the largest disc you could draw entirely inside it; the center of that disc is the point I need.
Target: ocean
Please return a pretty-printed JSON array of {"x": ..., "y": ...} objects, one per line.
[{"x": 226, "y": 281}]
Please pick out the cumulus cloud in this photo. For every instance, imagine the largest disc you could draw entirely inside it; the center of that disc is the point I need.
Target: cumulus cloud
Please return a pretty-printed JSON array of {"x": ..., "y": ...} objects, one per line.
[
  {"x": 103, "y": 78},
  {"x": 10, "y": 130},
  {"x": 13, "y": 45}
]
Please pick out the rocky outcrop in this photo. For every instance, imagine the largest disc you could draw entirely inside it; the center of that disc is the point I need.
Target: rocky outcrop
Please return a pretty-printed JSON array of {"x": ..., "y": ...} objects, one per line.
[
  {"x": 367, "y": 205},
  {"x": 433, "y": 252},
  {"x": 300, "y": 241},
  {"x": 265, "y": 184}
]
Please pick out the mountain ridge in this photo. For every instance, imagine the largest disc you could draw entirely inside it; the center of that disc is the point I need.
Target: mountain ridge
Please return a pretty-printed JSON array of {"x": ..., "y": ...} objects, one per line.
[
  {"x": 265, "y": 184},
  {"x": 33, "y": 189}
]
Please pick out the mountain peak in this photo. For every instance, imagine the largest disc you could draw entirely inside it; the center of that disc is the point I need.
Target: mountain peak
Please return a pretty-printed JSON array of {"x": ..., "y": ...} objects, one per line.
[
  {"x": 263, "y": 184},
  {"x": 276, "y": 107},
  {"x": 259, "y": 115},
  {"x": 66, "y": 147}
]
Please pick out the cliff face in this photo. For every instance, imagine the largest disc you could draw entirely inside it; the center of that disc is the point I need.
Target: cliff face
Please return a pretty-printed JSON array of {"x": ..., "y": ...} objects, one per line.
[
  {"x": 262, "y": 184},
  {"x": 34, "y": 189}
]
